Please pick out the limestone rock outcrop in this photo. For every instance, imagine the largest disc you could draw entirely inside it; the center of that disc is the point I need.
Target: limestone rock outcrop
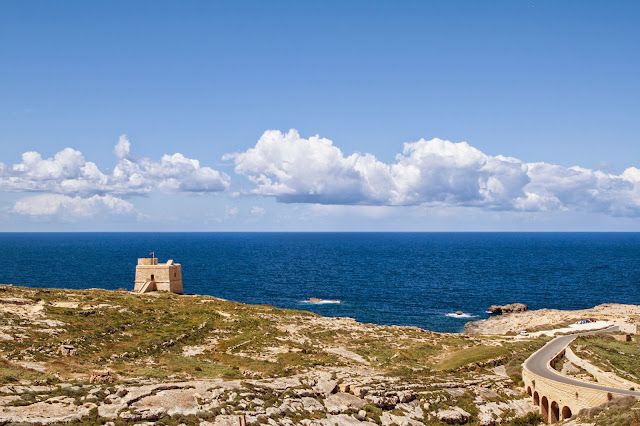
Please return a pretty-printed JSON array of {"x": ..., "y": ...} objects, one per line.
[
  {"x": 454, "y": 416},
  {"x": 508, "y": 308},
  {"x": 101, "y": 377},
  {"x": 340, "y": 402},
  {"x": 67, "y": 350}
]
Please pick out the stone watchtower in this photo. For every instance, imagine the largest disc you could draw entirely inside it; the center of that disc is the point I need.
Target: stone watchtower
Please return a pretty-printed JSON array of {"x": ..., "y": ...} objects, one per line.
[{"x": 152, "y": 276}]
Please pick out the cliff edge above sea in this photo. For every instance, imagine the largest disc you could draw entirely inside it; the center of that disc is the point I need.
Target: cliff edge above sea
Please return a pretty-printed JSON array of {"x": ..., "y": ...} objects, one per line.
[
  {"x": 545, "y": 320},
  {"x": 97, "y": 356}
]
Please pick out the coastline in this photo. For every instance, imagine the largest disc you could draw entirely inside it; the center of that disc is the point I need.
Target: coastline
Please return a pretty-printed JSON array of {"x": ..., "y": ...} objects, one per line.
[
  {"x": 99, "y": 356},
  {"x": 505, "y": 324},
  {"x": 399, "y": 283},
  {"x": 118, "y": 356},
  {"x": 547, "y": 319}
]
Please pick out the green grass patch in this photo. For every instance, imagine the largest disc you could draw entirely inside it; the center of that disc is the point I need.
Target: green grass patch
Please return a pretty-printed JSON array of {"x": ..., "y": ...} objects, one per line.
[
  {"x": 472, "y": 355},
  {"x": 11, "y": 373},
  {"x": 623, "y": 358}
]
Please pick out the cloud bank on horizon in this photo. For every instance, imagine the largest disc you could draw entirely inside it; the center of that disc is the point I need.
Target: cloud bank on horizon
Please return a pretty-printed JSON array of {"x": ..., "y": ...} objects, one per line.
[
  {"x": 76, "y": 187},
  {"x": 430, "y": 173},
  {"x": 66, "y": 206},
  {"x": 292, "y": 169}
]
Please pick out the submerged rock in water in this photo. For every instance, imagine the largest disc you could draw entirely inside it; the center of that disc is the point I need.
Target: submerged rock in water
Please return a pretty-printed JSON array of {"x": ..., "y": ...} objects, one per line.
[
  {"x": 508, "y": 308},
  {"x": 317, "y": 301}
]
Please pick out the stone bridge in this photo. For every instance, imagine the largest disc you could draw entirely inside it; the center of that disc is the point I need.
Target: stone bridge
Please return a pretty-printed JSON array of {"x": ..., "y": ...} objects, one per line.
[
  {"x": 559, "y": 397},
  {"x": 559, "y": 401}
]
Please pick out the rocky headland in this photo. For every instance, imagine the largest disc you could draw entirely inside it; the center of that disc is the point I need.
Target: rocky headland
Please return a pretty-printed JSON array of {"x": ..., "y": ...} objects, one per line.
[
  {"x": 508, "y": 308},
  {"x": 515, "y": 321},
  {"x": 113, "y": 357}
]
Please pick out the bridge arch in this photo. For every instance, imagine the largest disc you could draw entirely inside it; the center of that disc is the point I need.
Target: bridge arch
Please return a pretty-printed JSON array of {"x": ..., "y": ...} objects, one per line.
[
  {"x": 554, "y": 414},
  {"x": 544, "y": 408},
  {"x": 557, "y": 399}
]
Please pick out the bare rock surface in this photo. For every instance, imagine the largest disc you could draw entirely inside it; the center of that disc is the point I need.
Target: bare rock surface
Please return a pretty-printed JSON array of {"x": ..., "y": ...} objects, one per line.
[
  {"x": 389, "y": 419},
  {"x": 340, "y": 402},
  {"x": 311, "y": 404},
  {"x": 508, "y": 308},
  {"x": 149, "y": 358},
  {"x": 340, "y": 420},
  {"x": 169, "y": 402},
  {"x": 548, "y": 319},
  {"x": 454, "y": 416},
  {"x": 492, "y": 411},
  {"x": 402, "y": 402},
  {"x": 61, "y": 411},
  {"x": 325, "y": 386}
]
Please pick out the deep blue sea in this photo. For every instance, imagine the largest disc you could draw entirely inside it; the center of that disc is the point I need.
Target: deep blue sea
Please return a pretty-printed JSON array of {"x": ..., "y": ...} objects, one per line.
[{"x": 383, "y": 278}]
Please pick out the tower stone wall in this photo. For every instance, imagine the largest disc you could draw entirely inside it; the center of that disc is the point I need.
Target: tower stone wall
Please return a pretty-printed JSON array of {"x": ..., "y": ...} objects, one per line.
[{"x": 151, "y": 275}]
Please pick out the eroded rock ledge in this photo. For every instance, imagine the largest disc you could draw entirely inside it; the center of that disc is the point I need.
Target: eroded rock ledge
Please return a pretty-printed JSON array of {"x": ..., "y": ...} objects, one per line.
[
  {"x": 508, "y": 308},
  {"x": 325, "y": 397},
  {"x": 96, "y": 356},
  {"x": 547, "y": 319}
]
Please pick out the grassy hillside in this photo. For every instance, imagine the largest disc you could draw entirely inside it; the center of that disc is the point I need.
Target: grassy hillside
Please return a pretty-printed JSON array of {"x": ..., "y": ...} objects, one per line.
[
  {"x": 161, "y": 335},
  {"x": 192, "y": 359}
]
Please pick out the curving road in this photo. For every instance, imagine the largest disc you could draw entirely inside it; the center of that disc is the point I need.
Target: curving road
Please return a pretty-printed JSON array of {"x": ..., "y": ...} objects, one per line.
[{"x": 539, "y": 363}]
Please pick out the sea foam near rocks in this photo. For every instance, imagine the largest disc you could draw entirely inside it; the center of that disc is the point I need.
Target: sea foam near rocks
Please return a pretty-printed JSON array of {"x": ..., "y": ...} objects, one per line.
[
  {"x": 457, "y": 315},
  {"x": 316, "y": 301}
]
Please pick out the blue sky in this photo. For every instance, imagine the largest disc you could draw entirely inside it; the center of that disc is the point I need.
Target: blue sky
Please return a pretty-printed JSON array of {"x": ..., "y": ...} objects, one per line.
[{"x": 534, "y": 88}]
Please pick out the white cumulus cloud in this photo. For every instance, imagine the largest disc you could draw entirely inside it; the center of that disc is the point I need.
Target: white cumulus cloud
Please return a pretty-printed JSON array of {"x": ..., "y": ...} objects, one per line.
[
  {"x": 257, "y": 211},
  {"x": 67, "y": 206},
  {"x": 69, "y": 173},
  {"x": 428, "y": 172}
]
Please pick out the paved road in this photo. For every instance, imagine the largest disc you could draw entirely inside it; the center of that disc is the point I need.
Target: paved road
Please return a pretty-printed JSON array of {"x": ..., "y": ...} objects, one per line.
[{"x": 538, "y": 363}]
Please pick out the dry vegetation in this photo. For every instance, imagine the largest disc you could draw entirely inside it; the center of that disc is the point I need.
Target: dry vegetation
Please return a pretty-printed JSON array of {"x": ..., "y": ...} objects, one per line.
[
  {"x": 621, "y": 358},
  {"x": 228, "y": 355},
  {"x": 618, "y": 412},
  {"x": 159, "y": 335}
]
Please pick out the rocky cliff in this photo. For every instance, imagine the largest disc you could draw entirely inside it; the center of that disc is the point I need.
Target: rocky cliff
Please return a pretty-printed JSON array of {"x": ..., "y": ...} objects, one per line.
[{"x": 96, "y": 357}]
